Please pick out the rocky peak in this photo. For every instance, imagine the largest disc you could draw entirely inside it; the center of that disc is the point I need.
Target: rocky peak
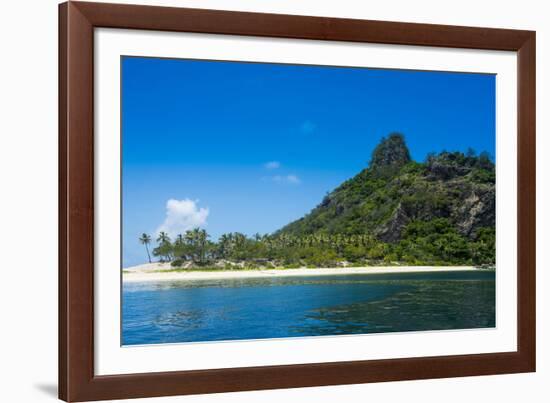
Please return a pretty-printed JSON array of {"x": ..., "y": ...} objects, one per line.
[{"x": 390, "y": 154}]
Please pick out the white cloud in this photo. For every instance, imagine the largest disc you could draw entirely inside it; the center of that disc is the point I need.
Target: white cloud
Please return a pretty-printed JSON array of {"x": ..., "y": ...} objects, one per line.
[
  {"x": 293, "y": 179},
  {"x": 272, "y": 165},
  {"x": 182, "y": 215},
  {"x": 286, "y": 179},
  {"x": 308, "y": 127}
]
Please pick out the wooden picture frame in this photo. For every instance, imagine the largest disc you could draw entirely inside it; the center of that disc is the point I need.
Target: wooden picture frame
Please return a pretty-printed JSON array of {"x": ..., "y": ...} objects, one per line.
[{"x": 77, "y": 381}]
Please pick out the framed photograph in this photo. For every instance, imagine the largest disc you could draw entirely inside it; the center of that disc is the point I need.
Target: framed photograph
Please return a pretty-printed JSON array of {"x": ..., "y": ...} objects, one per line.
[{"x": 257, "y": 201}]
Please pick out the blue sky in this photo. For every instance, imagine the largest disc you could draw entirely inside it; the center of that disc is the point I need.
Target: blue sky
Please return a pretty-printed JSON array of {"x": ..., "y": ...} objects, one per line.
[{"x": 249, "y": 147}]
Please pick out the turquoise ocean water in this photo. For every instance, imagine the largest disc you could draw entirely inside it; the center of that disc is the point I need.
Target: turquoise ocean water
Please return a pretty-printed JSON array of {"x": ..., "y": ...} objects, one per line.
[{"x": 259, "y": 308}]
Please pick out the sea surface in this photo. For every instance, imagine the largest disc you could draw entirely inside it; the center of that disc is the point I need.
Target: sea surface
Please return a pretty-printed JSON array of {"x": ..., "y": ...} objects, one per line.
[{"x": 274, "y": 307}]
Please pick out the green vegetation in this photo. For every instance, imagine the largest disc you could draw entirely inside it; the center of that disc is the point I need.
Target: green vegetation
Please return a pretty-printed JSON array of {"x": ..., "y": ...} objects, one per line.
[
  {"x": 397, "y": 211},
  {"x": 145, "y": 239}
]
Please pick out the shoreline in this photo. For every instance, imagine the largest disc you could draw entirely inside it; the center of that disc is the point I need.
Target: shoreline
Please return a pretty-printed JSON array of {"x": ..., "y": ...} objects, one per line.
[{"x": 155, "y": 272}]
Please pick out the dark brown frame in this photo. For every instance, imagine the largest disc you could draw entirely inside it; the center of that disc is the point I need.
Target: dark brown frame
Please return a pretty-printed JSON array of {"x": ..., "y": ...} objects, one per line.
[{"x": 77, "y": 381}]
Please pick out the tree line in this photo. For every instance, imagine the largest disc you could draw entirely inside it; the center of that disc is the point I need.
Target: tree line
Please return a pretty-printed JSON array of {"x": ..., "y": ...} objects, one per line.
[{"x": 434, "y": 242}]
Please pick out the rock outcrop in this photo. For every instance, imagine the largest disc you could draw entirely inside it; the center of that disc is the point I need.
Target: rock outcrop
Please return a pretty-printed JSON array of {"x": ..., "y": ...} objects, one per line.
[{"x": 394, "y": 191}]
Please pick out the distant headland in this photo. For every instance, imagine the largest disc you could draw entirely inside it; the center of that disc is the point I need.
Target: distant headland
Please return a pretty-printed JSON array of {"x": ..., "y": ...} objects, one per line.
[{"x": 395, "y": 212}]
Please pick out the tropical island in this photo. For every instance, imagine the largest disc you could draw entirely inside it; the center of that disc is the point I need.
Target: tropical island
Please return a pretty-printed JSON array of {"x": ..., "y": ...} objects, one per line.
[{"x": 395, "y": 212}]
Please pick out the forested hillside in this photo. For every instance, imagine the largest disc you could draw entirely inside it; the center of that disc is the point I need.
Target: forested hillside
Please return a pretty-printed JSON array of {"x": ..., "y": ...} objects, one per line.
[
  {"x": 395, "y": 211},
  {"x": 442, "y": 209}
]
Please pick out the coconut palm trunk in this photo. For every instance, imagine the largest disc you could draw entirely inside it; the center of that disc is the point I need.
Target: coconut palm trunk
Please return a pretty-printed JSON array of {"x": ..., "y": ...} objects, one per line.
[
  {"x": 146, "y": 240},
  {"x": 148, "y": 254}
]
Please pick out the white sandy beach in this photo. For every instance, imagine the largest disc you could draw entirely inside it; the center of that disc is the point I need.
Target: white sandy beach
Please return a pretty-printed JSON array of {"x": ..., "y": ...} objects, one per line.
[{"x": 160, "y": 272}]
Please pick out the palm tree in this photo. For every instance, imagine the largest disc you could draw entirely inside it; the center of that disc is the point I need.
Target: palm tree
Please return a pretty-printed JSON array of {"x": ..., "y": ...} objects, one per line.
[
  {"x": 145, "y": 239},
  {"x": 179, "y": 247},
  {"x": 202, "y": 240},
  {"x": 163, "y": 237},
  {"x": 225, "y": 245},
  {"x": 165, "y": 246},
  {"x": 197, "y": 239}
]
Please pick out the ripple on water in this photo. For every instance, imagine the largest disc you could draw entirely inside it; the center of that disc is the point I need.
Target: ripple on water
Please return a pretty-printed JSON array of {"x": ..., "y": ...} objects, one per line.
[{"x": 236, "y": 309}]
